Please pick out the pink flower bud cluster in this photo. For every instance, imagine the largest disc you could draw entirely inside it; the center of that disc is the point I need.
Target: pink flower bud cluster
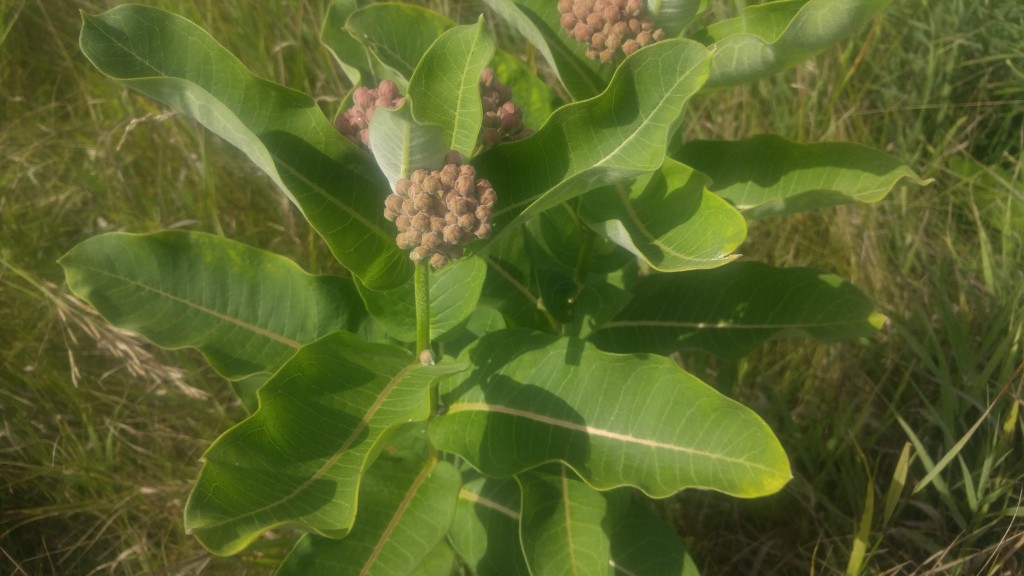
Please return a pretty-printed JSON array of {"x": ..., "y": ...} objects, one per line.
[
  {"x": 503, "y": 121},
  {"x": 355, "y": 122},
  {"x": 608, "y": 25},
  {"x": 438, "y": 211}
]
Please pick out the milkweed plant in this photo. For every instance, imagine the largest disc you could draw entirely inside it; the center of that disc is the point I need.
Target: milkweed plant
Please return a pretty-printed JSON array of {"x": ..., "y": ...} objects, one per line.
[{"x": 492, "y": 386}]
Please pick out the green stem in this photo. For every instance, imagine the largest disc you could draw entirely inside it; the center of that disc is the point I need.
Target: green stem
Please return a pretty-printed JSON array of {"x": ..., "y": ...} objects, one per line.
[{"x": 421, "y": 282}]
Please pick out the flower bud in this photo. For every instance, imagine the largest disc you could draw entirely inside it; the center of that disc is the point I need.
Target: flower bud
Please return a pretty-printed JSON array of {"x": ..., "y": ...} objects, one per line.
[
  {"x": 483, "y": 231},
  {"x": 438, "y": 260},
  {"x": 403, "y": 223}
]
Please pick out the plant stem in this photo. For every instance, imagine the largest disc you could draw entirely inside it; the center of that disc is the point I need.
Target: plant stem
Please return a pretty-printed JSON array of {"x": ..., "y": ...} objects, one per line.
[{"x": 421, "y": 281}]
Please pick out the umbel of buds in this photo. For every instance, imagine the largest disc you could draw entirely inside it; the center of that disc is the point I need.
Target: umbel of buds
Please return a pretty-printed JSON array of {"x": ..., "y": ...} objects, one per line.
[
  {"x": 608, "y": 25},
  {"x": 355, "y": 122},
  {"x": 503, "y": 121},
  {"x": 438, "y": 211}
]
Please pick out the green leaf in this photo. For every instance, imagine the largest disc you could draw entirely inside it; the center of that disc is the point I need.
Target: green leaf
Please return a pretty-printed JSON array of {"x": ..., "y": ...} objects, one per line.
[
  {"x": 247, "y": 310},
  {"x": 730, "y": 310},
  {"x": 406, "y": 508},
  {"x": 485, "y": 530},
  {"x": 445, "y": 88},
  {"x": 358, "y": 64},
  {"x": 334, "y": 184},
  {"x": 401, "y": 145},
  {"x": 441, "y": 561},
  {"x": 668, "y": 219},
  {"x": 568, "y": 528},
  {"x": 454, "y": 293},
  {"x": 616, "y": 136},
  {"x": 538, "y": 22},
  {"x": 770, "y": 176},
  {"x": 634, "y": 420},
  {"x": 771, "y": 37},
  {"x": 397, "y": 34},
  {"x": 298, "y": 460},
  {"x": 674, "y": 15}
]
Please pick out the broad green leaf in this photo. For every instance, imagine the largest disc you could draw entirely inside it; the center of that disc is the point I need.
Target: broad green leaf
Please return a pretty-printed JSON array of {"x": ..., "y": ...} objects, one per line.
[
  {"x": 568, "y": 528},
  {"x": 401, "y": 145},
  {"x": 485, "y": 530},
  {"x": 483, "y": 320},
  {"x": 397, "y": 34},
  {"x": 441, "y": 561},
  {"x": 510, "y": 285},
  {"x": 668, "y": 219},
  {"x": 334, "y": 184},
  {"x": 358, "y": 64},
  {"x": 636, "y": 420},
  {"x": 454, "y": 293},
  {"x": 298, "y": 460},
  {"x": 615, "y": 136},
  {"x": 406, "y": 506},
  {"x": 730, "y": 310},
  {"x": 247, "y": 310},
  {"x": 673, "y": 15},
  {"x": 538, "y": 22},
  {"x": 445, "y": 88},
  {"x": 565, "y": 237},
  {"x": 769, "y": 176},
  {"x": 771, "y": 37},
  {"x": 533, "y": 97},
  {"x": 563, "y": 523}
]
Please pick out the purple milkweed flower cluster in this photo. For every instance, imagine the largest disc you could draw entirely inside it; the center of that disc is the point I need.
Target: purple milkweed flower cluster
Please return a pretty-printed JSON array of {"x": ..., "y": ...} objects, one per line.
[
  {"x": 355, "y": 122},
  {"x": 608, "y": 25}
]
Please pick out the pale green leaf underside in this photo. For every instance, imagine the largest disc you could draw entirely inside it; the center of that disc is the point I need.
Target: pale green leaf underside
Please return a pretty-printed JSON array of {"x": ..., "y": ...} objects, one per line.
[
  {"x": 454, "y": 293},
  {"x": 765, "y": 40},
  {"x": 247, "y": 310},
  {"x": 618, "y": 135},
  {"x": 401, "y": 145},
  {"x": 668, "y": 219},
  {"x": 445, "y": 88},
  {"x": 770, "y": 176},
  {"x": 282, "y": 131},
  {"x": 617, "y": 420},
  {"x": 674, "y": 15},
  {"x": 406, "y": 507},
  {"x": 359, "y": 64},
  {"x": 568, "y": 528},
  {"x": 730, "y": 310},
  {"x": 299, "y": 459}
]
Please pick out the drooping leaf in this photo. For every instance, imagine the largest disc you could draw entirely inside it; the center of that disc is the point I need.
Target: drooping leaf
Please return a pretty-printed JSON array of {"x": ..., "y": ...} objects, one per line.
[
  {"x": 617, "y": 420},
  {"x": 730, "y": 310},
  {"x": 299, "y": 459},
  {"x": 360, "y": 65},
  {"x": 335, "y": 185},
  {"x": 771, "y": 37},
  {"x": 615, "y": 136},
  {"x": 247, "y": 310},
  {"x": 538, "y": 22},
  {"x": 445, "y": 88},
  {"x": 406, "y": 506},
  {"x": 401, "y": 145},
  {"x": 454, "y": 293},
  {"x": 568, "y": 528},
  {"x": 770, "y": 176},
  {"x": 668, "y": 219},
  {"x": 397, "y": 34},
  {"x": 485, "y": 530}
]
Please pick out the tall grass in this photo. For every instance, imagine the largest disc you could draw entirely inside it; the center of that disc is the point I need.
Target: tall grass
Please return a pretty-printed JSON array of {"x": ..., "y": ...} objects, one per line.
[{"x": 906, "y": 448}]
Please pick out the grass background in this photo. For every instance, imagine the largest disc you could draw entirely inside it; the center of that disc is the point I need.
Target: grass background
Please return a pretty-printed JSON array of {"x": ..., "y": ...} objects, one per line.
[{"x": 907, "y": 448}]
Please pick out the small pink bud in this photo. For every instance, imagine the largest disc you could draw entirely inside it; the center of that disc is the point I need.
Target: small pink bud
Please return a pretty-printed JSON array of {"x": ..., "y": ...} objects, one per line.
[
  {"x": 403, "y": 223},
  {"x": 388, "y": 90},
  {"x": 483, "y": 231}
]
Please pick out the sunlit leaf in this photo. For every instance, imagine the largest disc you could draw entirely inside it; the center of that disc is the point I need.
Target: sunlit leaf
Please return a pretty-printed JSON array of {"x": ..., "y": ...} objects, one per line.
[
  {"x": 730, "y": 310},
  {"x": 617, "y": 420},
  {"x": 769, "y": 176},
  {"x": 299, "y": 458},
  {"x": 247, "y": 310},
  {"x": 284, "y": 133},
  {"x": 668, "y": 219}
]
